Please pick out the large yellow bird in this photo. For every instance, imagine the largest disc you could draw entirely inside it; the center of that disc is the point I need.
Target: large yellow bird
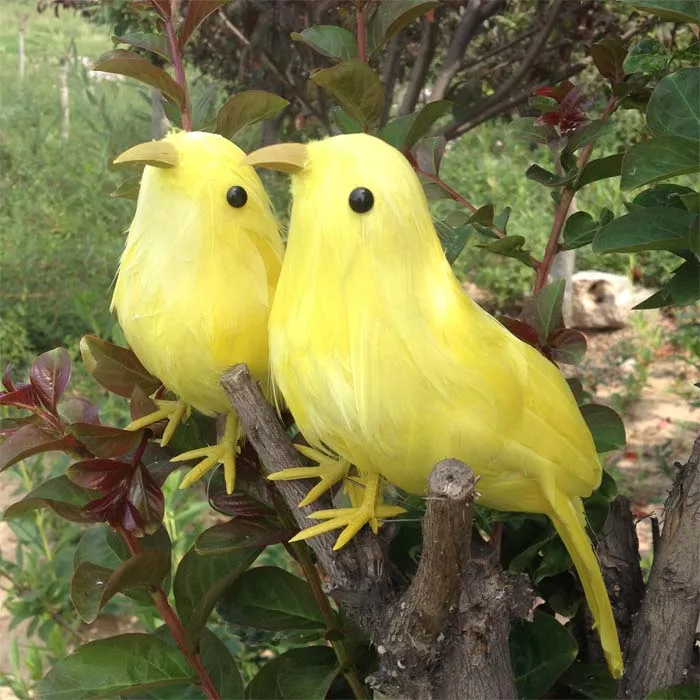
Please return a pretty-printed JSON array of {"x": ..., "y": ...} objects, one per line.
[
  {"x": 196, "y": 280},
  {"x": 382, "y": 358}
]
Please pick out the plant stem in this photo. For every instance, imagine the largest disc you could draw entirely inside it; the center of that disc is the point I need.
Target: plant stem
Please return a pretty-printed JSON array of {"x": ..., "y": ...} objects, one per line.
[
  {"x": 454, "y": 195},
  {"x": 174, "y": 624},
  {"x": 179, "y": 69},
  {"x": 300, "y": 552},
  {"x": 562, "y": 211},
  {"x": 362, "y": 32}
]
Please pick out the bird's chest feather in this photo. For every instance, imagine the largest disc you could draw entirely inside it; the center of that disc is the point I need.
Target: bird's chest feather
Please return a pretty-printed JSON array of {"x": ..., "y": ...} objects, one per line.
[{"x": 190, "y": 311}]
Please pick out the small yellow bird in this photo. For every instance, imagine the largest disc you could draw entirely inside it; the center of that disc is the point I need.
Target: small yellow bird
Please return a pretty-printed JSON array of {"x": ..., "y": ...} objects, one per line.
[
  {"x": 196, "y": 280},
  {"x": 382, "y": 358}
]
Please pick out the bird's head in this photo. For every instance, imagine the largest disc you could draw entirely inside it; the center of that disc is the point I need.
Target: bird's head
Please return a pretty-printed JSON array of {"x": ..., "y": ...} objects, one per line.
[
  {"x": 352, "y": 190},
  {"x": 196, "y": 181}
]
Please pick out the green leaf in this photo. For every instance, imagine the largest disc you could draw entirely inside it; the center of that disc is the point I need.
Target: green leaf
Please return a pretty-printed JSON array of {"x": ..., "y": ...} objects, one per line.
[
  {"x": 429, "y": 152},
  {"x": 540, "y": 652},
  {"x": 345, "y": 123},
  {"x": 200, "y": 581},
  {"x": 132, "y": 65},
  {"x": 690, "y": 53},
  {"x": 674, "y": 106},
  {"x": 648, "y": 228},
  {"x": 356, "y": 88},
  {"x": 605, "y": 425},
  {"x": 108, "y": 667},
  {"x": 544, "y": 177},
  {"x": 658, "y": 159},
  {"x": 216, "y": 659},
  {"x": 299, "y": 673},
  {"x": 684, "y": 691},
  {"x": 555, "y": 560},
  {"x": 608, "y": 54},
  {"x": 568, "y": 346},
  {"x": 663, "y": 195},
  {"x": 240, "y": 533},
  {"x": 524, "y": 130},
  {"x": 403, "y": 132},
  {"x": 334, "y": 42},
  {"x": 155, "y": 43},
  {"x": 59, "y": 494},
  {"x": 579, "y": 230},
  {"x": 648, "y": 56},
  {"x": 93, "y": 586},
  {"x": 270, "y": 598},
  {"x": 587, "y": 134},
  {"x": 197, "y": 12},
  {"x": 203, "y": 110},
  {"x": 543, "y": 311},
  {"x": 509, "y": 247},
  {"x": 682, "y": 289},
  {"x": 247, "y": 108},
  {"x": 691, "y": 201},
  {"x": 391, "y": 17},
  {"x": 115, "y": 368},
  {"x": 592, "y": 680},
  {"x": 452, "y": 239},
  {"x": 544, "y": 104},
  {"x": 670, "y": 10},
  {"x": 599, "y": 169}
]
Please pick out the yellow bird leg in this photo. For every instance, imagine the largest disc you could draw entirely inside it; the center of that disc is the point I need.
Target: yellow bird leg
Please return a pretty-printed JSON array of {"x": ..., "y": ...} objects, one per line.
[
  {"x": 352, "y": 519},
  {"x": 330, "y": 471},
  {"x": 223, "y": 452},
  {"x": 175, "y": 411}
]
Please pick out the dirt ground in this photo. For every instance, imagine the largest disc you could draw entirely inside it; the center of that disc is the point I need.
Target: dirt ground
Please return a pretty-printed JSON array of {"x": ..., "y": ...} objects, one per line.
[{"x": 662, "y": 420}]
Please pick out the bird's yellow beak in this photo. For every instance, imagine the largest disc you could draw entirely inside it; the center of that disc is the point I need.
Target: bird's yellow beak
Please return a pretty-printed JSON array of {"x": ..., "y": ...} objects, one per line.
[
  {"x": 286, "y": 157},
  {"x": 159, "y": 154}
]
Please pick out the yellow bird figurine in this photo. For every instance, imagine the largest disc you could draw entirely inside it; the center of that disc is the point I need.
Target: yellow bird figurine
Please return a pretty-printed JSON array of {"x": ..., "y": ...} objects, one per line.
[
  {"x": 382, "y": 358},
  {"x": 196, "y": 280}
]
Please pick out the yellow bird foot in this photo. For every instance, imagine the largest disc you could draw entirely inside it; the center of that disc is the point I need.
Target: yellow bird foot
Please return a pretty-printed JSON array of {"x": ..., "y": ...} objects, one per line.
[
  {"x": 175, "y": 411},
  {"x": 222, "y": 453},
  {"x": 369, "y": 512},
  {"x": 330, "y": 471}
]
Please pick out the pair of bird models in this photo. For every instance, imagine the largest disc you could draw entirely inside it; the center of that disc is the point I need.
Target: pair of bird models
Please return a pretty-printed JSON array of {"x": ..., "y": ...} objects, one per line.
[{"x": 364, "y": 331}]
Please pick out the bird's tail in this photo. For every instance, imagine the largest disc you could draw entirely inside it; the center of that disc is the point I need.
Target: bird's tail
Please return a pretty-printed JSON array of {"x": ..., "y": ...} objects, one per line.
[{"x": 568, "y": 519}]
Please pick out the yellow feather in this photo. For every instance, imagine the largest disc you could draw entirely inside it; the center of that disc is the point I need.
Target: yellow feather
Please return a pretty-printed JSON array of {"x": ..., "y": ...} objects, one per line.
[{"x": 381, "y": 357}]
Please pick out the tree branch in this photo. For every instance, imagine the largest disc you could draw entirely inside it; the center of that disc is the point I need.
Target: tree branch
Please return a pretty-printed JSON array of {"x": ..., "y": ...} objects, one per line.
[
  {"x": 419, "y": 72},
  {"x": 392, "y": 65},
  {"x": 660, "y": 649},
  {"x": 473, "y": 16}
]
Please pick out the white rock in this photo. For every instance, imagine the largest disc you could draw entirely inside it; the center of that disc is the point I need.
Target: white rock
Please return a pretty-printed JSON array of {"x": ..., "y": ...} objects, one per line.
[{"x": 600, "y": 300}]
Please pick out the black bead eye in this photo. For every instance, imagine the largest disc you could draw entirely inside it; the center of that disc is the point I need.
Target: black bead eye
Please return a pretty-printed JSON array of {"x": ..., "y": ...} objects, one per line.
[
  {"x": 361, "y": 200},
  {"x": 236, "y": 196}
]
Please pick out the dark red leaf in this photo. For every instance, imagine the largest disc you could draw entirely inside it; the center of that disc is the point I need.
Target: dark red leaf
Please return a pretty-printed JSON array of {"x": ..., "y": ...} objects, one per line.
[
  {"x": 99, "y": 474},
  {"x": 162, "y": 7},
  {"x": 141, "y": 403},
  {"x": 10, "y": 425},
  {"x": 145, "y": 495},
  {"x": 22, "y": 396},
  {"x": 104, "y": 441},
  {"x": 568, "y": 346},
  {"x": 31, "y": 440},
  {"x": 131, "y": 520},
  {"x": 49, "y": 375},
  {"x": 78, "y": 409},
  {"x": 117, "y": 369},
  {"x": 521, "y": 330},
  {"x": 7, "y": 379},
  {"x": 109, "y": 508},
  {"x": 197, "y": 12}
]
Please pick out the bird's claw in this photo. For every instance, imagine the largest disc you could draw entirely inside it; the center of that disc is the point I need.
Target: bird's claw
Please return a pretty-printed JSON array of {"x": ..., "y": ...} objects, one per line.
[
  {"x": 369, "y": 512},
  {"x": 176, "y": 412},
  {"x": 222, "y": 453},
  {"x": 330, "y": 471}
]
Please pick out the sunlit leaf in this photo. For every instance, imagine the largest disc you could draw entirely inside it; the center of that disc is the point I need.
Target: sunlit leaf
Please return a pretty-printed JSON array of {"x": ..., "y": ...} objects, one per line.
[
  {"x": 659, "y": 159},
  {"x": 155, "y": 43},
  {"x": 59, "y": 494},
  {"x": 674, "y": 106},
  {"x": 403, "y": 132},
  {"x": 50, "y": 374},
  {"x": 31, "y": 440},
  {"x": 334, "y": 42},
  {"x": 669, "y": 10},
  {"x": 544, "y": 311},
  {"x": 599, "y": 169}
]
